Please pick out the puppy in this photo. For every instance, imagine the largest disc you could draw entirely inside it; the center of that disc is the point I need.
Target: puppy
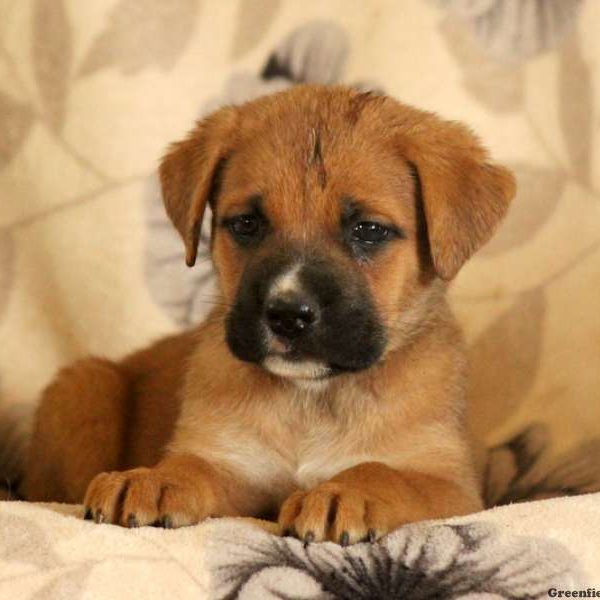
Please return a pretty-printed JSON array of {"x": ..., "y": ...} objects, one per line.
[{"x": 328, "y": 383}]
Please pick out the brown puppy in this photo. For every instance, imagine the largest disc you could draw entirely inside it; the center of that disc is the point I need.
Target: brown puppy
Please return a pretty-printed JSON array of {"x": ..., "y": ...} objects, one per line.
[{"x": 328, "y": 382}]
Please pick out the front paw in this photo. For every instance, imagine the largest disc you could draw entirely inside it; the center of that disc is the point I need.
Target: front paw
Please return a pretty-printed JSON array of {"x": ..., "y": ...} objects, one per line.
[
  {"x": 145, "y": 497},
  {"x": 336, "y": 512}
]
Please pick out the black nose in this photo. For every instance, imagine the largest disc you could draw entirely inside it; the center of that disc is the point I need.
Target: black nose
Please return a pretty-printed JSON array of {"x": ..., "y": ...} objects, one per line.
[{"x": 290, "y": 317}]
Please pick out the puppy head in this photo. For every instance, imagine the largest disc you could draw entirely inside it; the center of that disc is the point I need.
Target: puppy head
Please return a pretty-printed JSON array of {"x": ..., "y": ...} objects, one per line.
[{"x": 336, "y": 216}]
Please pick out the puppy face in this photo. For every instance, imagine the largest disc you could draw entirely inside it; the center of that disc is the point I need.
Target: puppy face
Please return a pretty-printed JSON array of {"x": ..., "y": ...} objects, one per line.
[{"x": 336, "y": 214}]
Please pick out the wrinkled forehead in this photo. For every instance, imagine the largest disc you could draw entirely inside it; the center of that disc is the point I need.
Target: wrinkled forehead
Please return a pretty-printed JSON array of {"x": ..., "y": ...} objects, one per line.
[{"x": 304, "y": 166}]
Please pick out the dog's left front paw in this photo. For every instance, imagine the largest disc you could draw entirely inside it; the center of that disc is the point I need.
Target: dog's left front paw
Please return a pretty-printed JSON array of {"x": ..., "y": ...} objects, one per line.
[{"x": 336, "y": 512}]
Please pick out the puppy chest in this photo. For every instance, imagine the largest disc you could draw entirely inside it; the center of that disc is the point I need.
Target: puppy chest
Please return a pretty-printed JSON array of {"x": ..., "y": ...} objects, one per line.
[{"x": 285, "y": 464}]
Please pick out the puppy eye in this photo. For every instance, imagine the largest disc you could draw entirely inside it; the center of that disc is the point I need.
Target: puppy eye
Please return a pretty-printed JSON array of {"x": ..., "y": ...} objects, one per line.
[
  {"x": 245, "y": 227},
  {"x": 370, "y": 233}
]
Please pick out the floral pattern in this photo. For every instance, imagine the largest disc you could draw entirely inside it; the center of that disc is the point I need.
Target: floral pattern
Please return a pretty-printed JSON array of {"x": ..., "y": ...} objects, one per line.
[
  {"x": 467, "y": 560},
  {"x": 513, "y": 31}
]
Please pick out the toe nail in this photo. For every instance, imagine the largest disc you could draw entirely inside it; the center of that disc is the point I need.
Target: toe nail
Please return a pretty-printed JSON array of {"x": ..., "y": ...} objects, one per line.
[
  {"x": 99, "y": 516},
  {"x": 167, "y": 522},
  {"x": 372, "y": 536},
  {"x": 132, "y": 521},
  {"x": 345, "y": 538},
  {"x": 87, "y": 515},
  {"x": 309, "y": 538}
]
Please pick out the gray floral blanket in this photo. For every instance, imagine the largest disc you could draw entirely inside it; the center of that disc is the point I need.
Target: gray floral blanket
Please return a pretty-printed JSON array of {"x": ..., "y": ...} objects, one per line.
[{"x": 520, "y": 551}]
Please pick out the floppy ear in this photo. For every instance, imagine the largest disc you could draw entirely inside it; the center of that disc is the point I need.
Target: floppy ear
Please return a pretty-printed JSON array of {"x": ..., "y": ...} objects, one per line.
[
  {"x": 189, "y": 175},
  {"x": 464, "y": 195}
]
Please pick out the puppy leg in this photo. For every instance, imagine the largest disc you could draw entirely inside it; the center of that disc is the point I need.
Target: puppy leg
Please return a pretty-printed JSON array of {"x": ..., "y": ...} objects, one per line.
[
  {"x": 369, "y": 500},
  {"x": 78, "y": 431},
  {"x": 181, "y": 490}
]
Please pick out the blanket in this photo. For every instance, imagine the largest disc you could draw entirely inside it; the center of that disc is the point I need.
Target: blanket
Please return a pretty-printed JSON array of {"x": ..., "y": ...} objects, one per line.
[
  {"x": 521, "y": 551},
  {"x": 91, "y": 93}
]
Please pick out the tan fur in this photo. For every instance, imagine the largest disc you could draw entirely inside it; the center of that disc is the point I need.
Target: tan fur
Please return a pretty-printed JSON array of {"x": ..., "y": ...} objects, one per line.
[{"x": 188, "y": 431}]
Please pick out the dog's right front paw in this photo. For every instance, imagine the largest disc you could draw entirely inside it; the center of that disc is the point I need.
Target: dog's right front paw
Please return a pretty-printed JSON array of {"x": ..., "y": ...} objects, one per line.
[{"x": 145, "y": 497}]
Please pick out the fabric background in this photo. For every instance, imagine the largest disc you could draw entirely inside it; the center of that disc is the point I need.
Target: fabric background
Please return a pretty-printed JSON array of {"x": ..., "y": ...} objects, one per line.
[
  {"x": 505, "y": 553},
  {"x": 91, "y": 93}
]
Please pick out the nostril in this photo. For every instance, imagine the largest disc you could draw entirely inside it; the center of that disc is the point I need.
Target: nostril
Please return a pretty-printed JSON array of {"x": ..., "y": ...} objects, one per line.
[
  {"x": 289, "y": 319},
  {"x": 287, "y": 326},
  {"x": 306, "y": 313}
]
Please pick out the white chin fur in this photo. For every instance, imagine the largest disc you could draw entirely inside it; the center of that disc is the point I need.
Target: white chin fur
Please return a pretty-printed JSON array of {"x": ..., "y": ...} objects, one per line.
[{"x": 302, "y": 372}]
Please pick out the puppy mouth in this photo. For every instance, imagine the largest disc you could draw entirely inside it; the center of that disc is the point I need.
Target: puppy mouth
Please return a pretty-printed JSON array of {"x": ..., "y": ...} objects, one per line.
[{"x": 293, "y": 366}]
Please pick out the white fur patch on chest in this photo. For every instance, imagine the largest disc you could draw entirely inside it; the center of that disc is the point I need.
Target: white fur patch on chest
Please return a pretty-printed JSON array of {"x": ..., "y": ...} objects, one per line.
[
  {"x": 257, "y": 462},
  {"x": 282, "y": 470},
  {"x": 319, "y": 469}
]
